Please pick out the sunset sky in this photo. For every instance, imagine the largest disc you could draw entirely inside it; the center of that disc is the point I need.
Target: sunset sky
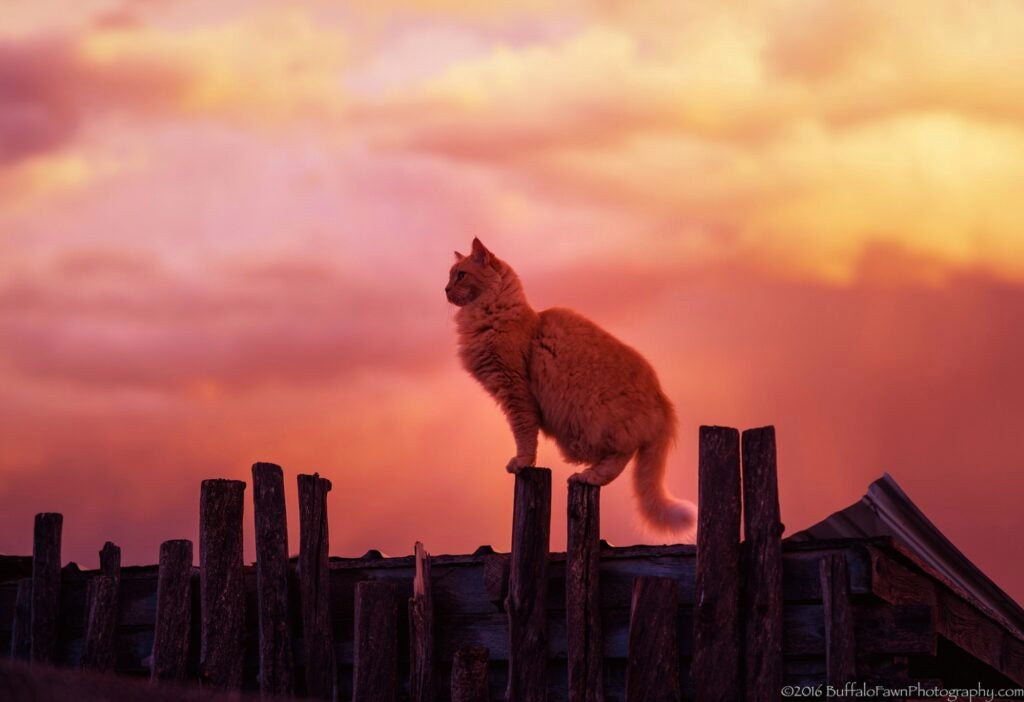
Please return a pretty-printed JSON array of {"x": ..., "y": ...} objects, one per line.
[{"x": 225, "y": 229}]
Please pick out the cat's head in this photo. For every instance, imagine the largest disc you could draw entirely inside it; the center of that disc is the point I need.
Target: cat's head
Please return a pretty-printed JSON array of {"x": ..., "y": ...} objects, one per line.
[{"x": 473, "y": 275}]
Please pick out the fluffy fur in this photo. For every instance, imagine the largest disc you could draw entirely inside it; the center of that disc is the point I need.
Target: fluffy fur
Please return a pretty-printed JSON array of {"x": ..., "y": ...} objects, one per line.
[{"x": 556, "y": 371}]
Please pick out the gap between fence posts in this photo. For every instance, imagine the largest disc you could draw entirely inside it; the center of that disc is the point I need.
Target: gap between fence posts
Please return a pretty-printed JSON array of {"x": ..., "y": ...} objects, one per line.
[{"x": 652, "y": 672}]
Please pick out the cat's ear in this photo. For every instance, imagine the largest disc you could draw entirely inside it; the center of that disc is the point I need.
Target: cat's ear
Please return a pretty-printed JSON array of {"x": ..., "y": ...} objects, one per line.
[
  {"x": 480, "y": 254},
  {"x": 458, "y": 257}
]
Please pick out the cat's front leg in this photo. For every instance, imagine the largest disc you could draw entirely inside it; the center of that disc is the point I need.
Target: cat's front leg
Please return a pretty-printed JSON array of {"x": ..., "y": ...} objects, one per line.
[{"x": 525, "y": 423}]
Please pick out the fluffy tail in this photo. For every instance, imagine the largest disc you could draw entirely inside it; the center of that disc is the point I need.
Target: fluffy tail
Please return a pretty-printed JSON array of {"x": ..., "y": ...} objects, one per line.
[{"x": 660, "y": 512}]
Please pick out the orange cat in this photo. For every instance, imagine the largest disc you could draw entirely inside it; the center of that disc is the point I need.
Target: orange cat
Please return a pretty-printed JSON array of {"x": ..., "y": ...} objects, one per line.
[{"x": 558, "y": 372}]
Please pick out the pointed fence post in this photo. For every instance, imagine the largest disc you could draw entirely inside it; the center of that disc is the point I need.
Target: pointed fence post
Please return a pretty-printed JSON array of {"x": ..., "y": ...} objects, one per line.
[
  {"x": 421, "y": 631},
  {"x": 528, "y": 587},
  {"x": 314, "y": 586},
  {"x": 375, "y": 659},
  {"x": 102, "y": 598},
  {"x": 272, "y": 580},
  {"x": 173, "y": 612},
  {"x": 652, "y": 673},
  {"x": 45, "y": 586},
  {"x": 221, "y": 583},
  {"x": 716, "y": 623},
  {"x": 763, "y": 566},
  {"x": 582, "y": 598}
]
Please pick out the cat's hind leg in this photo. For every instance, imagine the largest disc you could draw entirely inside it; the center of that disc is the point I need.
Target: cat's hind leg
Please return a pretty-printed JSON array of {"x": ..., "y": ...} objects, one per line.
[{"x": 604, "y": 471}]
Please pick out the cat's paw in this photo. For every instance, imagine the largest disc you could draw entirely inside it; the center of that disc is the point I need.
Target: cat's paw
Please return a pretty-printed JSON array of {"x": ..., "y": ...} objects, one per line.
[
  {"x": 587, "y": 477},
  {"x": 517, "y": 463}
]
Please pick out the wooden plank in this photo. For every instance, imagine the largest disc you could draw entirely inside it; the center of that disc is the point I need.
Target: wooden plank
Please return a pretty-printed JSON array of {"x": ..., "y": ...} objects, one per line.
[
  {"x": 716, "y": 623},
  {"x": 173, "y": 612},
  {"x": 957, "y": 620},
  {"x": 652, "y": 673},
  {"x": 527, "y": 587},
  {"x": 272, "y": 579},
  {"x": 582, "y": 594},
  {"x": 840, "y": 648},
  {"x": 421, "y": 631},
  {"x": 314, "y": 587},
  {"x": 496, "y": 568},
  {"x": 101, "y": 624},
  {"x": 469, "y": 675},
  {"x": 375, "y": 676},
  {"x": 762, "y": 568},
  {"x": 21, "y": 630},
  {"x": 45, "y": 586},
  {"x": 221, "y": 583}
]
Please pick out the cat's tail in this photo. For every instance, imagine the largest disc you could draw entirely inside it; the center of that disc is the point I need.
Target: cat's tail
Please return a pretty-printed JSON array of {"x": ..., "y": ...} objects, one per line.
[{"x": 661, "y": 512}]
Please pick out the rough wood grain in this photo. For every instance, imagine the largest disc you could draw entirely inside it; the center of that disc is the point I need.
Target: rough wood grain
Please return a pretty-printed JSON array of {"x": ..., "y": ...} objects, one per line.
[
  {"x": 716, "y": 623},
  {"x": 652, "y": 673},
  {"x": 110, "y": 560},
  {"x": 21, "y": 629},
  {"x": 582, "y": 594},
  {"x": 103, "y": 609},
  {"x": 762, "y": 590},
  {"x": 527, "y": 588},
  {"x": 101, "y": 624},
  {"x": 45, "y": 586},
  {"x": 840, "y": 648},
  {"x": 314, "y": 587},
  {"x": 272, "y": 579},
  {"x": 221, "y": 583},
  {"x": 469, "y": 675},
  {"x": 375, "y": 676},
  {"x": 421, "y": 630},
  {"x": 173, "y": 612}
]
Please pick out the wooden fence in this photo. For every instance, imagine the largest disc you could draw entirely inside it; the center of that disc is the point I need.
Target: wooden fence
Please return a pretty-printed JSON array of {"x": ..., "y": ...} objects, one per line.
[{"x": 735, "y": 646}]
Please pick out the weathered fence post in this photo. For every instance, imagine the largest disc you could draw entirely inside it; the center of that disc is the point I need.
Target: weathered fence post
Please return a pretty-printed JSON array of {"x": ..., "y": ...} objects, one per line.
[
  {"x": 421, "y": 631},
  {"x": 839, "y": 641},
  {"x": 102, "y": 598},
  {"x": 762, "y": 592},
  {"x": 173, "y": 612},
  {"x": 314, "y": 586},
  {"x": 582, "y": 600},
  {"x": 528, "y": 586},
  {"x": 100, "y": 624},
  {"x": 375, "y": 658},
  {"x": 716, "y": 623},
  {"x": 469, "y": 675},
  {"x": 272, "y": 579},
  {"x": 221, "y": 583},
  {"x": 21, "y": 629},
  {"x": 652, "y": 673},
  {"x": 110, "y": 560},
  {"x": 45, "y": 585}
]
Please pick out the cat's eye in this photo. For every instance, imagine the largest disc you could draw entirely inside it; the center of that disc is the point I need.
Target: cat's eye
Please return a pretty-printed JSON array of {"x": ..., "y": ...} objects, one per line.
[{"x": 460, "y": 275}]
